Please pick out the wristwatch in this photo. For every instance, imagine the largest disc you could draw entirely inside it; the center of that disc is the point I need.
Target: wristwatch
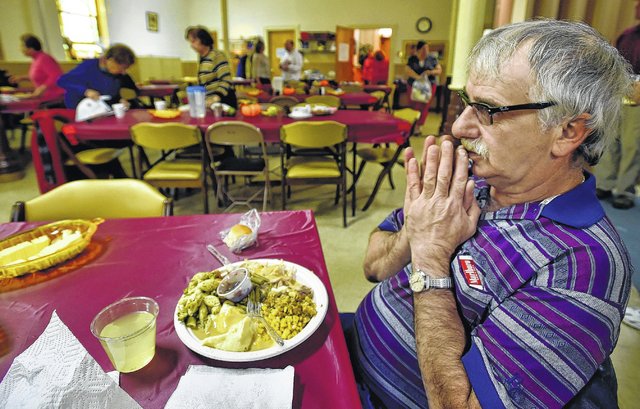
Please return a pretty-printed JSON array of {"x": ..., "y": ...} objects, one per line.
[{"x": 421, "y": 281}]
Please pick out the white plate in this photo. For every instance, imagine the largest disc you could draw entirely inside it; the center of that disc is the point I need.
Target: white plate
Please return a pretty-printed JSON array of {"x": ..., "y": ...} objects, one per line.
[
  {"x": 303, "y": 276},
  {"x": 300, "y": 116}
]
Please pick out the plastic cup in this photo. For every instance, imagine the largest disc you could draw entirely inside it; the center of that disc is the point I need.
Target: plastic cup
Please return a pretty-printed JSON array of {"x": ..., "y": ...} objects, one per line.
[
  {"x": 127, "y": 331},
  {"x": 119, "y": 110},
  {"x": 160, "y": 105}
]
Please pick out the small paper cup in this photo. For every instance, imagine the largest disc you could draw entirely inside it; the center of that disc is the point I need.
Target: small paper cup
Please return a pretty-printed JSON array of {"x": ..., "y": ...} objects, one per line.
[
  {"x": 119, "y": 110},
  {"x": 160, "y": 105},
  {"x": 236, "y": 285},
  {"x": 127, "y": 331}
]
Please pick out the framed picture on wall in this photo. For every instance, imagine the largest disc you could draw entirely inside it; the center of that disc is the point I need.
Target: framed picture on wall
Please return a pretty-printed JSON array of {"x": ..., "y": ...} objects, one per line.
[{"x": 152, "y": 21}]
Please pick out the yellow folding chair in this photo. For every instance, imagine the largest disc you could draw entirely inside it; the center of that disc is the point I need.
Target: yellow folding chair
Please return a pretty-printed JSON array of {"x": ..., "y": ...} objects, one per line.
[
  {"x": 328, "y": 100},
  {"x": 169, "y": 171},
  {"x": 91, "y": 198},
  {"x": 385, "y": 156},
  {"x": 315, "y": 169},
  {"x": 240, "y": 134}
]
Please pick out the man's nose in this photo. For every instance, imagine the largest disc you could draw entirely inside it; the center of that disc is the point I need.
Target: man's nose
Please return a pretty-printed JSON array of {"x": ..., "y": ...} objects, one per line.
[{"x": 466, "y": 125}]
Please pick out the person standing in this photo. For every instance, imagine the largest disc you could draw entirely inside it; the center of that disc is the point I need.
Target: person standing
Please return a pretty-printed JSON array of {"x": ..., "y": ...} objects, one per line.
[
  {"x": 260, "y": 65},
  {"x": 376, "y": 69},
  {"x": 291, "y": 62},
  {"x": 619, "y": 167},
  {"x": 44, "y": 72},
  {"x": 98, "y": 76},
  {"x": 419, "y": 66},
  {"x": 214, "y": 72}
]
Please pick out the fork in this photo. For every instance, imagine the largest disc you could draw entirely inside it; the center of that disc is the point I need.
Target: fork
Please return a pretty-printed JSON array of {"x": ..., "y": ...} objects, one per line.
[{"x": 254, "y": 310}]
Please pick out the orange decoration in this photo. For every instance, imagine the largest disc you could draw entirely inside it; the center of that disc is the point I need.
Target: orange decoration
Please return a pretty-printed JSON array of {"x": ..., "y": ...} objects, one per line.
[
  {"x": 251, "y": 110},
  {"x": 288, "y": 91}
]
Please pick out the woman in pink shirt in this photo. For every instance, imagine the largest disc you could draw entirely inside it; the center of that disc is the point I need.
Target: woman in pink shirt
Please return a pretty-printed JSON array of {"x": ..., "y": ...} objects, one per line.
[{"x": 44, "y": 71}]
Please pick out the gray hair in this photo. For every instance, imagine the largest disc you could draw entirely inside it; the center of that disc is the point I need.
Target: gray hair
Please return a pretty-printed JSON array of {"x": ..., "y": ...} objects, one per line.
[{"x": 571, "y": 65}]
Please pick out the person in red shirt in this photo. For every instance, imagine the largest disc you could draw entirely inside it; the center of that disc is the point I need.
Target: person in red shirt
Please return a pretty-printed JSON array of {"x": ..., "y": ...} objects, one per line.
[
  {"x": 44, "y": 71},
  {"x": 376, "y": 69}
]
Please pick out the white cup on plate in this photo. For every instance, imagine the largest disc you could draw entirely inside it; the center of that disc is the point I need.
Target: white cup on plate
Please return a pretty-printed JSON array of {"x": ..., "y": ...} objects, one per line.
[
  {"x": 160, "y": 105},
  {"x": 119, "y": 110}
]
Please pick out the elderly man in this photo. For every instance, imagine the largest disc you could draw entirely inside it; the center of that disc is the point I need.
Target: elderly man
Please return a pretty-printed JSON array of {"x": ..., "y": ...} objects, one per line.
[
  {"x": 510, "y": 286},
  {"x": 291, "y": 62}
]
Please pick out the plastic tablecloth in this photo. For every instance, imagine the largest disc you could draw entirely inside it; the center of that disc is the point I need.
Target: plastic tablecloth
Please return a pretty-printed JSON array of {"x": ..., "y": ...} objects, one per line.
[
  {"x": 348, "y": 98},
  {"x": 363, "y": 126},
  {"x": 156, "y": 257},
  {"x": 157, "y": 90}
]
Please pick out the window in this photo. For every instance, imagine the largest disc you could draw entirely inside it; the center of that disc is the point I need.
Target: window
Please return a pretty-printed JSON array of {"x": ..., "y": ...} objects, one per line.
[{"x": 80, "y": 28}]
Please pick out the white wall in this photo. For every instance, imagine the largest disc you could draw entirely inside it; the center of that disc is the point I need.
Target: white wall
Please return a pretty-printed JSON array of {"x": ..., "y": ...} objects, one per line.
[
  {"x": 127, "y": 24},
  {"x": 250, "y": 17}
]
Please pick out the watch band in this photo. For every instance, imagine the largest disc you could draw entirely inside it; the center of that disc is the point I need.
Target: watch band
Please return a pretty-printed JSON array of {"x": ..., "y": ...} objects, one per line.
[
  {"x": 421, "y": 281},
  {"x": 442, "y": 282}
]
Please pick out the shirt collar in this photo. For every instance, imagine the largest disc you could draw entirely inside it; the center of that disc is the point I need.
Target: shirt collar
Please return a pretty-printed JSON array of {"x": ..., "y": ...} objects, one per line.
[{"x": 579, "y": 207}]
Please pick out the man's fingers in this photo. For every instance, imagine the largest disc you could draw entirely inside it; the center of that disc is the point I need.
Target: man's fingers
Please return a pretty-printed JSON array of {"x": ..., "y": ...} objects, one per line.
[
  {"x": 413, "y": 179},
  {"x": 460, "y": 172},
  {"x": 469, "y": 198},
  {"x": 431, "y": 170},
  {"x": 445, "y": 169}
]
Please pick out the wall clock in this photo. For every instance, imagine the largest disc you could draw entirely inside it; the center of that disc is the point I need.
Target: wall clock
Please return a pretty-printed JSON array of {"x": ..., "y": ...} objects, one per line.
[{"x": 424, "y": 24}]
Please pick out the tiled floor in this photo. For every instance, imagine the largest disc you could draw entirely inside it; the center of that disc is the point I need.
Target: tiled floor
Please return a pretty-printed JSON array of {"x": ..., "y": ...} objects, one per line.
[{"x": 344, "y": 261}]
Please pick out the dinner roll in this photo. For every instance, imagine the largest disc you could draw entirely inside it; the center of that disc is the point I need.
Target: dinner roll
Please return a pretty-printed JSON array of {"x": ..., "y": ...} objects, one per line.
[{"x": 236, "y": 233}]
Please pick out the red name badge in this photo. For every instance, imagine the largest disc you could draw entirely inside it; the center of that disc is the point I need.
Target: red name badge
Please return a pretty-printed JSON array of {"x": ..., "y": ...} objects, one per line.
[{"x": 471, "y": 274}]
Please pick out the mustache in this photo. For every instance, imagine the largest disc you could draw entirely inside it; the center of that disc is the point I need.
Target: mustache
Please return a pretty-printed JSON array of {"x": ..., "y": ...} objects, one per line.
[{"x": 476, "y": 146}]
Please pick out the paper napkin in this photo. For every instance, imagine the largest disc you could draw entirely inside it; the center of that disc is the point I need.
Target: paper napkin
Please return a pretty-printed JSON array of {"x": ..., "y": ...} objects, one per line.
[
  {"x": 209, "y": 387},
  {"x": 58, "y": 372}
]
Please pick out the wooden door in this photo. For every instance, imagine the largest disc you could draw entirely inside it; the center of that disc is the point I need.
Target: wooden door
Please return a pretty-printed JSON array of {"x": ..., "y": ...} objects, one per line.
[
  {"x": 276, "y": 40},
  {"x": 345, "y": 47}
]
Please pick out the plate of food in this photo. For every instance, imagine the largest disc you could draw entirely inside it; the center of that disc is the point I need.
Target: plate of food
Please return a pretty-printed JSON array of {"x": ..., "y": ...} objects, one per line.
[
  {"x": 165, "y": 113},
  {"x": 319, "y": 109},
  {"x": 300, "y": 115},
  {"x": 294, "y": 303}
]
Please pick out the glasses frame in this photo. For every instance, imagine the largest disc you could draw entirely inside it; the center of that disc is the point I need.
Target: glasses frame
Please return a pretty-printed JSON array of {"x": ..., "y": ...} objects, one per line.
[{"x": 482, "y": 107}]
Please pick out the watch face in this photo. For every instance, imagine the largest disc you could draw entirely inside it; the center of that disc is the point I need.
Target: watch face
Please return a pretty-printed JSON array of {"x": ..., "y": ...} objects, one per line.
[{"x": 416, "y": 282}]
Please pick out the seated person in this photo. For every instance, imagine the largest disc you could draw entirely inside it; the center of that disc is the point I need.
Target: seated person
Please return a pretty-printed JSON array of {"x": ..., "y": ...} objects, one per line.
[
  {"x": 506, "y": 289},
  {"x": 43, "y": 72},
  {"x": 99, "y": 76}
]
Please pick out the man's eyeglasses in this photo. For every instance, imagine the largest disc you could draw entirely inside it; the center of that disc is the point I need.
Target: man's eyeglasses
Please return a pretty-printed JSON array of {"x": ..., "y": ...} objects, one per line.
[{"x": 485, "y": 112}]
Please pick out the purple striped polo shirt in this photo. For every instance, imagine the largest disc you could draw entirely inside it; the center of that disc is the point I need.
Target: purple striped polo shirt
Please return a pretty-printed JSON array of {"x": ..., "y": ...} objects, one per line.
[{"x": 542, "y": 288}]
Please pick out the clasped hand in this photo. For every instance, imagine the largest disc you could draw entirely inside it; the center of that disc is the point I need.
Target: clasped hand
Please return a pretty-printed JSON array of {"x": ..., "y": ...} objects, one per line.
[{"x": 440, "y": 209}]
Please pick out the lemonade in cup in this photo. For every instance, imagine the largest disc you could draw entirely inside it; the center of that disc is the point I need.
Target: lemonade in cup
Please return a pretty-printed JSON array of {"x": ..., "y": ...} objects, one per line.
[{"x": 127, "y": 331}]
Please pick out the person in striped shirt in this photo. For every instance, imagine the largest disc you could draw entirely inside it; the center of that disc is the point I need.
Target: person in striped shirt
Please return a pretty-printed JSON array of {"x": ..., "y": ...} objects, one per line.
[
  {"x": 506, "y": 289},
  {"x": 213, "y": 68}
]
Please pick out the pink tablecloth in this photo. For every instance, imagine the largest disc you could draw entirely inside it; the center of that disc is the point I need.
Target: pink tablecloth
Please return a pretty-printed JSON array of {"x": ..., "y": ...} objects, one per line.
[
  {"x": 156, "y": 257},
  {"x": 348, "y": 98},
  {"x": 364, "y": 126},
  {"x": 157, "y": 90},
  {"x": 25, "y": 105}
]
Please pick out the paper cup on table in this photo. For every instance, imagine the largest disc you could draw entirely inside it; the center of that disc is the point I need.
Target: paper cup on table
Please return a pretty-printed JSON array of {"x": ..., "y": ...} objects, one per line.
[
  {"x": 119, "y": 110},
  {"x": 160, "y": 105},
  {"x": 127, "y": 331}
]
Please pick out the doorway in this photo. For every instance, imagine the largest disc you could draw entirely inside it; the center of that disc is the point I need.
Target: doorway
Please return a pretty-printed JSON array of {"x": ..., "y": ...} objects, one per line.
[
  {"x": 369, "y": 40},
  {"x": 276, "y": 39}
]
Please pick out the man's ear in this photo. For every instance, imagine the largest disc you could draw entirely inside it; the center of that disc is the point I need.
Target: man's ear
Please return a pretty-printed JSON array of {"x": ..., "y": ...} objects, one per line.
[{"x": 573, "y": 134}]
